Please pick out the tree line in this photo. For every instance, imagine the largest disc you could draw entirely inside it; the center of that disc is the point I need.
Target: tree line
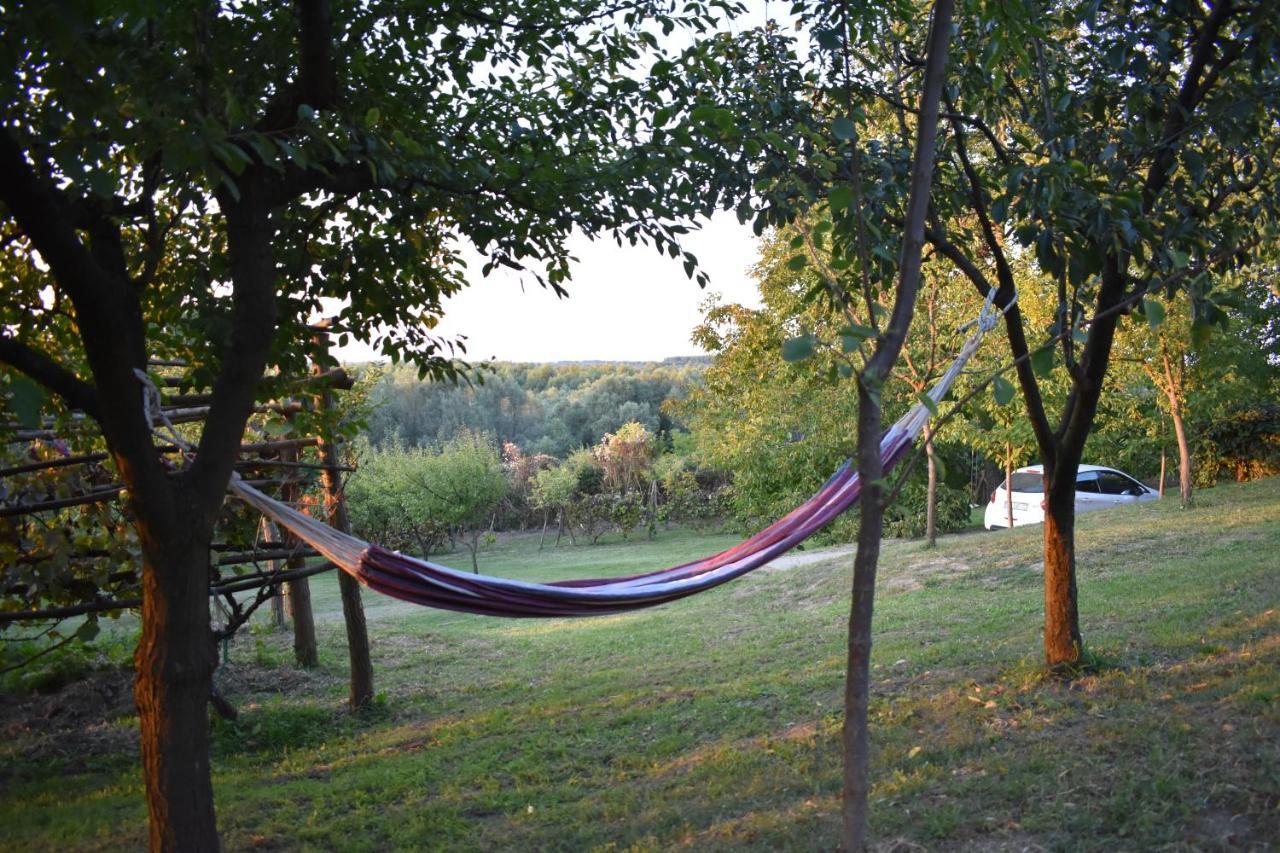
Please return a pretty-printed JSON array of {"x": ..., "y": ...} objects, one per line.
[{"x": 550, "y": 409}]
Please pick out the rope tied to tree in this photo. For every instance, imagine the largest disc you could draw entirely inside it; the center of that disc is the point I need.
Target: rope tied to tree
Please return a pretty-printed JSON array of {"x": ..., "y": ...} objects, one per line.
[{"x": 157, "y": 421}]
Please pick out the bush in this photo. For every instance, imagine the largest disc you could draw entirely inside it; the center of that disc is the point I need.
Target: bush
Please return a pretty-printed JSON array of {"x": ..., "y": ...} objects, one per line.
[
  {"x": 907, "y": 516},
  {"x": 1245, "y": 445}
]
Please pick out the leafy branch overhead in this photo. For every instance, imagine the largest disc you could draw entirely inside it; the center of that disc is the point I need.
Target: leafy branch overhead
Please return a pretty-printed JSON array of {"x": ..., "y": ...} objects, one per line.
[{"x": 403, "y": 137}]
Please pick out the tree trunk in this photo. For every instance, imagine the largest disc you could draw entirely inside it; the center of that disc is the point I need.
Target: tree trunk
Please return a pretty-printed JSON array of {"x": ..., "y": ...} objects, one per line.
[
  {"x": 857, "y": 680},
  {"x": 357, "y": 642},
  {"x": 653, "y": 509},
  {"x": 559, "y": 526},
  {"x": 1008, "y": 482},
  {"x": 305, "y": 648},
  {"x": 475, "y": 546},
  {"x": 173, "y": 680},
  {"x": 546, "y": 516},
  {"x": 1163, "y": 457},
  {"x": 1184, "y": 459},
  {"x": 854, "y": 738},
  {"x": 1062, "y": 640},
  {"x": 1172, "y": 390},
  {"x": 352, "y": 608},
  {"x": 931, "y": 500}
]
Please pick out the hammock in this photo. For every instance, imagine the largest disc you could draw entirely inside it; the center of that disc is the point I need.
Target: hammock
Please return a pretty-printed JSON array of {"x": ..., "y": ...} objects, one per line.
[{"x": 433, "y": 585}]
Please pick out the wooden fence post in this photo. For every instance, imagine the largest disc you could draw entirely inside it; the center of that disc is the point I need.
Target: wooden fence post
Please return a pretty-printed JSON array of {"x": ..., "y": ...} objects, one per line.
[
  {"x": 352, "y": 608},
  {"x": 305, "y": 648}
]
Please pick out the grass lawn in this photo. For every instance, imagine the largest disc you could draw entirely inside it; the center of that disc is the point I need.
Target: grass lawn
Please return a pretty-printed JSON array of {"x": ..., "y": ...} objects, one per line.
[{"x": 714, "y": 722}]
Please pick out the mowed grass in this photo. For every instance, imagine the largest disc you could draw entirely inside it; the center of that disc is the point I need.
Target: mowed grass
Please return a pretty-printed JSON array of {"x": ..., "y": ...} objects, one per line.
[{"x": 714, "y": 722}]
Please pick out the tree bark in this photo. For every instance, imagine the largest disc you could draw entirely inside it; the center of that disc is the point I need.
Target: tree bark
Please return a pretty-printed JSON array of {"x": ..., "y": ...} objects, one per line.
[
  {"x": 1172, "y": 390},
  {"x": 857, "y": 686},
  {"x": 173, "y": 680},
  {"x": 1184, "y": 457},
  {"x": 1163, "y": 457},
  {"x": 931, "y": 500},
  {"x": 1062, "y": 639}
]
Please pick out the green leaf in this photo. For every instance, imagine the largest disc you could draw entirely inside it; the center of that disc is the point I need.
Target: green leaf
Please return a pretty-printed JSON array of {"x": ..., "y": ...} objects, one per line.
[
  {"x": 798, "y": 349},
  {"x": 102, "y": 183},
  {"x": 1042, "y": 360},
  {"x": 1002, "y": 390},
  {"x": 829, "y": 39},
  {"x": 928, "y": 402},
  {"x": 1201, "y": 331},
  {"x": 1178, "y": 258},
  {"x": 372, "y": 117},
  {"x": 88, "y": 630},
  {"x": 842, "y": 128},
  {"x": 840, "y": 197},
  {"x": 26, "y": 398},
  {"x": 277, "y": 428},
  {"x": 854, "y": 334},
  {"x": 797, "y": 263},
  {"x": 1154, "y": 312}
]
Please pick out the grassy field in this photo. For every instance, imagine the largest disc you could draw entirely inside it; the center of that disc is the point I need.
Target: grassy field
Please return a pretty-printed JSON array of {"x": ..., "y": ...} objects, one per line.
[{"x": 714, "y": 722}]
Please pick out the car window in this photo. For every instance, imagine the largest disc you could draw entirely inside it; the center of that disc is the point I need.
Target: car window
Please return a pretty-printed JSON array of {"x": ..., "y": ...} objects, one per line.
[
  {"x": 1027, "y": 481},
  {"x": 1112, "y": 483},
  {"x": 1087, "y": 481}
]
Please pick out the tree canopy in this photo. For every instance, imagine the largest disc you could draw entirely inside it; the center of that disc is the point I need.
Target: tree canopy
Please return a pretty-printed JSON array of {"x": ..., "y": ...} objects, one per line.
[{"x": 197, "y": 182}]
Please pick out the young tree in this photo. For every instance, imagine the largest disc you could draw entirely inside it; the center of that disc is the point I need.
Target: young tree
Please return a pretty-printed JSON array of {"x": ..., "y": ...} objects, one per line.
[
  {"x": 464, "y": 483},
  {"x": 863, "y": 270},
  {"x": 626, "y": 457},
  {"x": 1131, "y": 150},
  {"x": 553, "y": 488},
  {"x": 191, "y": 179}
]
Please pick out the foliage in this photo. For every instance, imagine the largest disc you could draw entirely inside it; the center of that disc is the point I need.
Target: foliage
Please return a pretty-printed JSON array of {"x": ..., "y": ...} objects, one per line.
[
  {"x": 389, "y": 502},
  {"x": 1243, "y": 444},
  {"x": 626, "y": 456},
  {"x": 520, "y": 469},
  {"x": 780, "y": 429},
  {"x": 554, "y": 487},
  {"x": 415, "y": 498},
  {"x": 64, "y": 556},
  {"x": 905, "y": 517},
  {"x": 550, "y": 409}
]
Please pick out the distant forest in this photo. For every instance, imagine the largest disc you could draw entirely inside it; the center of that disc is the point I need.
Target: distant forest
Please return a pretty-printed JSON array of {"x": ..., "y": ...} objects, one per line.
[{"x": 544, "y": 408}]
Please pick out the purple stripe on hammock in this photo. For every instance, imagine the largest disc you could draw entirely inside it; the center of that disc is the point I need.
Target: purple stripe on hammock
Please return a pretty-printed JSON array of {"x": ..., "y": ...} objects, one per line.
[{"x": 421, "y": 582}]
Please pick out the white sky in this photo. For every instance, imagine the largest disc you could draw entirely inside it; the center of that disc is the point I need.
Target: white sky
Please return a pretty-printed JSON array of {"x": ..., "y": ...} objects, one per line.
[{"x": 625, "y": 303}]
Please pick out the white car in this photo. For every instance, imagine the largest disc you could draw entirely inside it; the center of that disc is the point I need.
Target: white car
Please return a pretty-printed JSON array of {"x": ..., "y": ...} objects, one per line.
[{"x": 1096, "y": 488}]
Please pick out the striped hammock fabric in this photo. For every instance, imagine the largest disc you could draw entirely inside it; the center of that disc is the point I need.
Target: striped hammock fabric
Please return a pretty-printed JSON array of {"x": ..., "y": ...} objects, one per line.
[{"x": 433, "y": 585}]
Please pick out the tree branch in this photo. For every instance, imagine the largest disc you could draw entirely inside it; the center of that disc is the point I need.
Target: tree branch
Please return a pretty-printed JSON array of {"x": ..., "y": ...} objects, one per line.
[
  {"x": 43, "y": 369},
  {"x": 317, "y": 84},
  {"x": 1189, "y": 95},
  {"x": 1015, "y": 331}
]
